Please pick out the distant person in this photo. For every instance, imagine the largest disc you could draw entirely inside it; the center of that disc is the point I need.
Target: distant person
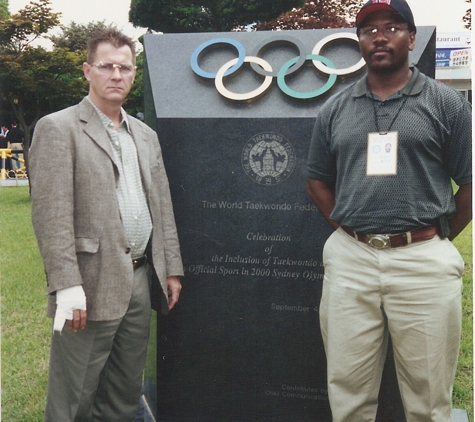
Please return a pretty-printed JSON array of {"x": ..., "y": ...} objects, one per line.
[
  {"x": 3, "y": 137},
  {"x": 104, "y": 222},
  {"x": 6, "y": 165},
  {"x": 390, "y": 266},
  {"x": 15, "y": 138}
]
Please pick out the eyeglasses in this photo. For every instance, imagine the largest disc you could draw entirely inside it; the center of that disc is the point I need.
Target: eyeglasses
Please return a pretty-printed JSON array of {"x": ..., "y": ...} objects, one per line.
[
  {"x": 124, "y": 69},
  {"x": 389, "y": 30}
]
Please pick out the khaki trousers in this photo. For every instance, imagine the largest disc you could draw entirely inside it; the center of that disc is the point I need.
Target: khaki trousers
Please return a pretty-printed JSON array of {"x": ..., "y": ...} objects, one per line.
[
  {"x": 96, "y": 374},
  {"x": 411, "y": 292}
]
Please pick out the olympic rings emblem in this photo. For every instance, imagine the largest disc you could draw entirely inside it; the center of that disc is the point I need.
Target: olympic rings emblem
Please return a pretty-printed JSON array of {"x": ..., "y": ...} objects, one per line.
[{"x": 263, "y": 68}]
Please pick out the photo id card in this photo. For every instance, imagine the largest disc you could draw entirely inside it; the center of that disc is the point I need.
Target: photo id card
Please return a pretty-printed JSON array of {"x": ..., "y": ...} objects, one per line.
[{"x": 382, "y": 154}]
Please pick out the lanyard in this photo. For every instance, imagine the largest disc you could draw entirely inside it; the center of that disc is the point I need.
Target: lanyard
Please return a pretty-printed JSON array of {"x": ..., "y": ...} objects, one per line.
[{"x": 398, "y": 111}]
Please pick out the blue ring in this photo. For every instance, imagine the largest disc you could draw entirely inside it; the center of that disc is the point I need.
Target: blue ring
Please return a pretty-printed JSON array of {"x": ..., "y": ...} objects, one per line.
[
  {"x": 305, "y": 95},
  {"x": 215, "y": 42}
]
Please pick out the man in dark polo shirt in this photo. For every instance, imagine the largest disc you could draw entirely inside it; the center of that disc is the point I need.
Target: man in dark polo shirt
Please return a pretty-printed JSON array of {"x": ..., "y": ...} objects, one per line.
[{"x": 383, "y": 156}]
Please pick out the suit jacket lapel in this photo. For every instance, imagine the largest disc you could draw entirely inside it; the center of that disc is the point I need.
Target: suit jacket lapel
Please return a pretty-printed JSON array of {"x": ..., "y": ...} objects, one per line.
[{"x": 95, "y": 128}]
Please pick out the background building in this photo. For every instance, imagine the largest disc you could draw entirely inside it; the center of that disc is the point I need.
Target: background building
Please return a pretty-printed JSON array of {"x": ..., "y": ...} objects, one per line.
[{"x": 454, "y": 61}]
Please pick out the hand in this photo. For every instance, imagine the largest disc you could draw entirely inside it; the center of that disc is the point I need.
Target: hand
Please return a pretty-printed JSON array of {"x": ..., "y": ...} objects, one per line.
[
  {"x": 70, "y": 307},
  {"x": 79, "y": 320},
  {"x": 174, "y": 288}
]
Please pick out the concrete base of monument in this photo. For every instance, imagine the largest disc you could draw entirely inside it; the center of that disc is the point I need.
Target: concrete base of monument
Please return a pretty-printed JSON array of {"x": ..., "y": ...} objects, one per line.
[
  {"x": 459, "y": 415},
  {"x": 148, "y": 403}
]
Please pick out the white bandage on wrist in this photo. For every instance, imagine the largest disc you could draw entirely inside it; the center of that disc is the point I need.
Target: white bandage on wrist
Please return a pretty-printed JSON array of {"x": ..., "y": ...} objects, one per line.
[{"x": 67, "y": 300}]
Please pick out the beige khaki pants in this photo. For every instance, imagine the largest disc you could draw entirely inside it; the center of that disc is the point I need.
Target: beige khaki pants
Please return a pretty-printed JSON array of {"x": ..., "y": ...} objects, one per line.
[{"x": 411, "y": 292}]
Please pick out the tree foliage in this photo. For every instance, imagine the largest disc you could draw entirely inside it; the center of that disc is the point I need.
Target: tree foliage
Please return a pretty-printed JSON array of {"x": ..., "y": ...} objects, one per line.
[
  {"x": 20, "y": 30},
  {"x": 36, "y": 81},
  {"x": 315, "y": 14},
  {"x": 4, "y": 9},
  {"x": 135, "y": 99},
  {"x": 75, "y": 36},
  {"x": 172, "y": 16}
]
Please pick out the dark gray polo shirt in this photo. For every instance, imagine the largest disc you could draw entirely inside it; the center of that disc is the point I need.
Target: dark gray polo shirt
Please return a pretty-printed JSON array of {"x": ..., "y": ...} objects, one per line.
[{"x": 433, "y": 122}]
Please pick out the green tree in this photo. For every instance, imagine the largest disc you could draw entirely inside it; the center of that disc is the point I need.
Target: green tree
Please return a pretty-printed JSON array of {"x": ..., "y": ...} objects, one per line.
[
  {"x": 35, "y": 81},
  {"x": 4, "y": 9},
  {"x": 20, "y": 30},
  {"x": 173, "y": 16},
  {"x": 75, "y": 36},
  {"x": 135, "y": 100},
  {"x": 315, "y": 14}
]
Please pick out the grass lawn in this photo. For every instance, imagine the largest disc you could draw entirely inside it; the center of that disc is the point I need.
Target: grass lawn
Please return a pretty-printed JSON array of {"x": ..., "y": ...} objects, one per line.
[
  {"x": 26, "y": 330},
  {"x": 463, "y": 389}
]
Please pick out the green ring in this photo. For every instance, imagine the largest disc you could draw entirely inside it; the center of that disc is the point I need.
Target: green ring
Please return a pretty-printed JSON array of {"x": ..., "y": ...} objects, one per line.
[{"x": 305, "y": 95}]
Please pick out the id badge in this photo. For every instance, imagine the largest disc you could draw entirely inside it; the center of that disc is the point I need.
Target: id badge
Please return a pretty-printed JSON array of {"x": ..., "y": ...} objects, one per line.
[{"x": 382, "y": 154}]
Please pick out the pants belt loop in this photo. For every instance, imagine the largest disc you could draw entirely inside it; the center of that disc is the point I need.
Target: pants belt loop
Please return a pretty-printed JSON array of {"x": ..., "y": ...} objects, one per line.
[{"x": 409, "y": 238}]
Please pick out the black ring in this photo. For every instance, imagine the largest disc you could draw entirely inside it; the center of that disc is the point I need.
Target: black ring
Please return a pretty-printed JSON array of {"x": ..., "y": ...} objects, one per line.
[{"x": 279, "y": 40}]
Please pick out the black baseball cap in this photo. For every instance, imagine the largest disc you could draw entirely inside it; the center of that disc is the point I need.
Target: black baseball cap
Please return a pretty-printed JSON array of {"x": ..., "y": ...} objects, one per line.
[{"x": 399, "y": 6}]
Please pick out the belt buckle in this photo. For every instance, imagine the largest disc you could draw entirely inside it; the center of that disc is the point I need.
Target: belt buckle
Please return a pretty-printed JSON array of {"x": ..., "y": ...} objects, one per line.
[{"x": 378, "y": 241}]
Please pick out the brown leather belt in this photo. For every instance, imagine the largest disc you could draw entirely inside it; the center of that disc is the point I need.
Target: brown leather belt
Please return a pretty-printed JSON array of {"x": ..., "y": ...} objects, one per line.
[
  {"x": 385, "y": 241},
  {"x": 138, "y": 262}
]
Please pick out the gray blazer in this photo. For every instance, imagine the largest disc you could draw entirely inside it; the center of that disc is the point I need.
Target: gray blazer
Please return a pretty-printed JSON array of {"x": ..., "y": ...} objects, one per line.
[{"x": 75, "y": 211}]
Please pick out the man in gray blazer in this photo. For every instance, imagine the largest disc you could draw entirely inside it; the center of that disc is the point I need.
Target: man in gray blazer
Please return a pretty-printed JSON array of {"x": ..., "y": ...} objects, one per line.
[{"x": 103, "y": 217}]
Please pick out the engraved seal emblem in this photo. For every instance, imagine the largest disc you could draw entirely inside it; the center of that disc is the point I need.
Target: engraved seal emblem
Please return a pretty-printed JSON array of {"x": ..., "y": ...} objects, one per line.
[{"x": 268, "y": 158}]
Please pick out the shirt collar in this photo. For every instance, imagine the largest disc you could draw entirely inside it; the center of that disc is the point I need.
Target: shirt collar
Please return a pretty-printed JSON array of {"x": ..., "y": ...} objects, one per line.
[
  {"x": 413, "y": 87},
  {"x": 108, "y": 122}
]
